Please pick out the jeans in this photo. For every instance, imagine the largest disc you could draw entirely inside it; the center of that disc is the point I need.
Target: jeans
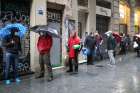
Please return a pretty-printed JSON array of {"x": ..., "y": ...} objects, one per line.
[
  {"x": 91, "y": 56},
  {"x": 11, "y": 59},
  {"x": 111, "y": 57}
]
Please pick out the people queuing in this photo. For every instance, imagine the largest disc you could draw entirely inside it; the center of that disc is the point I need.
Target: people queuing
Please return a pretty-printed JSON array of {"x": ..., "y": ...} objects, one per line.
[{"x": 99, "y": 42}]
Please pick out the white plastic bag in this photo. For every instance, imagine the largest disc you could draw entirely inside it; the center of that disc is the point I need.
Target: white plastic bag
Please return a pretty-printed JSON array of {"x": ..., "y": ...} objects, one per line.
[{"x": 135, "y": 45}]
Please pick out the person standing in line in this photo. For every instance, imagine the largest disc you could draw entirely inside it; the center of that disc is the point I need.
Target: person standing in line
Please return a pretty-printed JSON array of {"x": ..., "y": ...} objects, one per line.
[
  {"x": 90, "y": 44},
  {"x": 74, "y": 49},
  {"x": 111, "y": 44},
  {"x": 99, "y": 41},
  {"x": 83, "y": 48},
  {"x": 44, "y": 46},
  {"x": 12, "y": 46}
]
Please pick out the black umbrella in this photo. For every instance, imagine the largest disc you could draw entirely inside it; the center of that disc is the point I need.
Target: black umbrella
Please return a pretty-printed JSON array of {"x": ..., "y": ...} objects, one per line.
[{"x": 44, "y": 28}]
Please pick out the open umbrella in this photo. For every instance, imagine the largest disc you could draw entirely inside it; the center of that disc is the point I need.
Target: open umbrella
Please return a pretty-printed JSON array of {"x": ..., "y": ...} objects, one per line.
[
  {"x": 117, "y": 37},
  {"x": 44, "y": 28},
  {"x": 137, "y": 35},
  {"x": 7, "y": 30}
]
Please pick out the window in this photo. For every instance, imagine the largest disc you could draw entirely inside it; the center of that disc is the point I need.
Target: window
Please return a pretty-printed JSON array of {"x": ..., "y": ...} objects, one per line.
[{"x": 83, "y": 3}]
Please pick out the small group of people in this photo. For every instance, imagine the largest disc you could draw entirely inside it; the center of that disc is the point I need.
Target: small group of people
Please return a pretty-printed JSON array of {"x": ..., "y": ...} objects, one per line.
[
  {"x": 125, "y": 43},
  {"x": 92, "y": 44},
  {"x": 11, "y": 44}
]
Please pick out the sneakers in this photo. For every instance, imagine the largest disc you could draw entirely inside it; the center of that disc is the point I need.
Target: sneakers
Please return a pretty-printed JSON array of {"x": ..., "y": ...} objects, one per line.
[
  {"x": 50, "y": 79},
  {"x": 68, "y": 71},
  {"x": 7, "y": 82},
  {"x": 40, "y": 76},
  {"x": 111, "y": 65},
  {"x": 18, "y": 80}
]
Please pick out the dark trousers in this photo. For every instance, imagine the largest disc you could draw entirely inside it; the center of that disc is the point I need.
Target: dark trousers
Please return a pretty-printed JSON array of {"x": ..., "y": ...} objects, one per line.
[
  {"x": 44, "y": 59},
  {"x": 89, "y": 59},
  {"x": 90, "y": 56},
  {"x": 11, "y": 59},
  {"x": 73, "y": 63}
]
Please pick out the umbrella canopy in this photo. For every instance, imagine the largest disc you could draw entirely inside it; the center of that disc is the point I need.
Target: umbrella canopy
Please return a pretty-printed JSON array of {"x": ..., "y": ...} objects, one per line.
[
  {"x": 7, "y": 30},
  {"x": 108, "y": 33},
  {"x": 137, "y": 35},
  {"x": 44, "y": 28},
  {"x": 117, "y": 37}
]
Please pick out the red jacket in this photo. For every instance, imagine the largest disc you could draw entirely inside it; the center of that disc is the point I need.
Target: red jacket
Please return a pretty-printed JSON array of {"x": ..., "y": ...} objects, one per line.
[
  {"x": 44, "y": 44},
  {"x": 71, "y": 42}
]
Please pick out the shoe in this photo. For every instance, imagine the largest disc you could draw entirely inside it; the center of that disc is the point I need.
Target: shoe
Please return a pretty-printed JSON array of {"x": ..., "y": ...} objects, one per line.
[
  {"x": 68, "y": 71},
  {"x": 50, "y": 79},
  {"x": 110, "y": 65},
  {"x": 76, "y": 72},
  {"x": 40, "y": 76},
  {"x": 7, "y": 82},
  {"x": 18, "y": 80}
]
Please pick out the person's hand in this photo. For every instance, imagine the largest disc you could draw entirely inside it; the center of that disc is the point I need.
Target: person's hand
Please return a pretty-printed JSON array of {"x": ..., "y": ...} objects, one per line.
[
  {"x": 19, "y": 53},
  {"x": 12, "y": 41}
]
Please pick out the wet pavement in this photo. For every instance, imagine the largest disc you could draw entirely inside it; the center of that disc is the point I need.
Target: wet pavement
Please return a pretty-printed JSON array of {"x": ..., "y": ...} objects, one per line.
[{"x": 99, "y": 78}]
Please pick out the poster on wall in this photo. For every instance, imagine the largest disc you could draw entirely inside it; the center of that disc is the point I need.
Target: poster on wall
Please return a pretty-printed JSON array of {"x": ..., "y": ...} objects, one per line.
[{"x": 15, "y": 14}]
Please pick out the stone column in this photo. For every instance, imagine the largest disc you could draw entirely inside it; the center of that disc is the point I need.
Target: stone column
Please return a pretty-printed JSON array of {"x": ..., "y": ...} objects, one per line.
[
  {"x": 91, "y": 20},
  {"x": 36, "y": 19},
  {"x": 114, "y": 21},
  {"x": 132, "y": 17}
]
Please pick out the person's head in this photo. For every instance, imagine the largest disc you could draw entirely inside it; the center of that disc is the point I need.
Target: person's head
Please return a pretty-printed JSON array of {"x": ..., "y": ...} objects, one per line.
[
  {"x": 86, "y": 33},
  {"x": 14, "y": 31},
  {"x": 91, "y": 33},
  {"x": 96, "y": 35},
  {"x": 73, "y": 33},
  {"x": 42, "y": 33},
  {"x": 127, "y": 35}
]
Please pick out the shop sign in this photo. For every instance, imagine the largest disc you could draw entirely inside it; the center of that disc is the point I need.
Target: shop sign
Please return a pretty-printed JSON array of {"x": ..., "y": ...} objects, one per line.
[
  {"x": 54, "y": 16},
  {"x": 103, "y": 11}
]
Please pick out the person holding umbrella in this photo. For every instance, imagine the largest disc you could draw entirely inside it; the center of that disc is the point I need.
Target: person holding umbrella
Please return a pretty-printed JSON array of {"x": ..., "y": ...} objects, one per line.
[
  {"x": 111, "y": 45},
  {"x": 44, "y": 46},
  {"x": 12, "y": 45}
]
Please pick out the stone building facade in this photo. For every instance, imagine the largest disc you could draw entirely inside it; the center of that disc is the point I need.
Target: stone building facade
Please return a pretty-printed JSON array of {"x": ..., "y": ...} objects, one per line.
[{"x": 66, "y": 15}]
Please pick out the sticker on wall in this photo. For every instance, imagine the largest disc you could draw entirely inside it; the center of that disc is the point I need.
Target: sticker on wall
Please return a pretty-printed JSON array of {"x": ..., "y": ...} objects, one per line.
[{"x": 40, "y": 11}]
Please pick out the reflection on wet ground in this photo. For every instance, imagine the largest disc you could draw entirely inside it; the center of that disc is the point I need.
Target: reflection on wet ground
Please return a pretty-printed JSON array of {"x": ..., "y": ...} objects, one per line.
[{"x": 99, "y": 78}]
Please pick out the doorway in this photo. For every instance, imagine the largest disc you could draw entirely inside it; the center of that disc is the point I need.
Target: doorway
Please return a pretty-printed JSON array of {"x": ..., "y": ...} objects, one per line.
[{"x": 54, "y": 20}]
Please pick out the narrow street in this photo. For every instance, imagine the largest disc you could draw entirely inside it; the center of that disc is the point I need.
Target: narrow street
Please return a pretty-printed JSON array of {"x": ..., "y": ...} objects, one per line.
[{"x": 99, "y": 78}]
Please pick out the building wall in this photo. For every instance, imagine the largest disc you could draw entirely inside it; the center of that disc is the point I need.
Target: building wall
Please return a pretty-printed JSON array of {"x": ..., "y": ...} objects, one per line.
[
  {"x": 36, "y": 19},
  {"x": 70, "y": 12}
]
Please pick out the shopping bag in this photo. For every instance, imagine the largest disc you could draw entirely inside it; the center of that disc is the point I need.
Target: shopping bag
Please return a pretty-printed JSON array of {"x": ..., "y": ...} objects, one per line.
[{"x": 135, "y": 45}]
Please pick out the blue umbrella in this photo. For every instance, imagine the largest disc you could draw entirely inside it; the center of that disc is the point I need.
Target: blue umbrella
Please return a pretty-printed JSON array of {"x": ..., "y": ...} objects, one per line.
[{"x": 7, "y": 30}]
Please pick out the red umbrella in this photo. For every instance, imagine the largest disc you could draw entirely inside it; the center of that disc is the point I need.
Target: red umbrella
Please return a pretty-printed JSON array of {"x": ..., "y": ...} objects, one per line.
[{"x": 117, "y": 37}]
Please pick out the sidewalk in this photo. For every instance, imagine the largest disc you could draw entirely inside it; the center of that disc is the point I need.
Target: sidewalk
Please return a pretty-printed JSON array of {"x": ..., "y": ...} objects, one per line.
[{"x": 98, "y": 78}]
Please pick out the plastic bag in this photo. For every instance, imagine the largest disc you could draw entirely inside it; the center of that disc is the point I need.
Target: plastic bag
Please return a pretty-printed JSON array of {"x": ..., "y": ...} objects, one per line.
[{"x": 135, "y": 45}]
